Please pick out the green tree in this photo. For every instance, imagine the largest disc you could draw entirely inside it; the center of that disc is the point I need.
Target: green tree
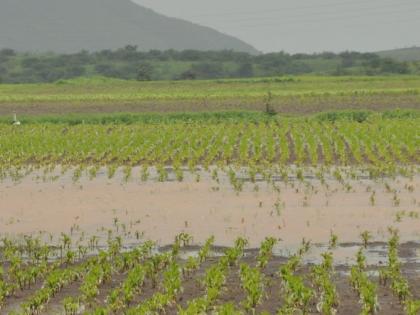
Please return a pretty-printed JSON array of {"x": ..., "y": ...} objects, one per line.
[
  {"x": 144, "y": 72},
  {"x": 246, "y": 70},
  {"x": 188, "y": 75}
]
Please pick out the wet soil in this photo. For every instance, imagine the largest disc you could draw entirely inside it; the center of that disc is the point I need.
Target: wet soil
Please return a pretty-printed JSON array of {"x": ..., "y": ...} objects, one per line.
[{"x": 234, "y": 293}]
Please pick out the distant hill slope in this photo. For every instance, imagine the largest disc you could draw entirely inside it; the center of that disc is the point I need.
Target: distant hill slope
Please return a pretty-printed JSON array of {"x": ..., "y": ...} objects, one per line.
[
  {"x": 72, "y": 25},
  {"x": 402, "y": 54}
]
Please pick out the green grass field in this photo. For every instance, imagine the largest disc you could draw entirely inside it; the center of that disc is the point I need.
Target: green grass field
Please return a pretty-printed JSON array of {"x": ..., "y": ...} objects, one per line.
[{"x": 302, "y": 94}]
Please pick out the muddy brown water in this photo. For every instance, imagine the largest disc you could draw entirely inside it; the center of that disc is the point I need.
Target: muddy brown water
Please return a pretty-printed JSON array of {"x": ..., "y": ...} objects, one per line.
[
  {"x": 291, "y": 212},
  {"x": 161, "y": 210}
]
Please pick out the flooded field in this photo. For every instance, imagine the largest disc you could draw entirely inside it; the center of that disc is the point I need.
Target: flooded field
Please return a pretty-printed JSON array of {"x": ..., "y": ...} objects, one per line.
[
  {"x": 287, "y": 195},
  {"x": 96, "y": 232},
  {"x": 160, "y": 210}
]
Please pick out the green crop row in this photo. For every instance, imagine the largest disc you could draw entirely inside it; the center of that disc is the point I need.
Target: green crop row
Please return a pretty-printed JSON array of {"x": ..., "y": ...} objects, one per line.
[
  {"x": 384, "y": 143},
  {"x": 143, "y": 279}
]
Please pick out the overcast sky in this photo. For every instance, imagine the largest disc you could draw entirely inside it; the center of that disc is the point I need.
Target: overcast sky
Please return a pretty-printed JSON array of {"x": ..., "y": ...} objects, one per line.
[{"x": 305, "y": 25}]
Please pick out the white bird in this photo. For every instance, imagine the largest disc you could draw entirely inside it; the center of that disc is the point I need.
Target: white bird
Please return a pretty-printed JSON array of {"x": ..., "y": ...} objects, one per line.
[{"x": 15, "y": 121}]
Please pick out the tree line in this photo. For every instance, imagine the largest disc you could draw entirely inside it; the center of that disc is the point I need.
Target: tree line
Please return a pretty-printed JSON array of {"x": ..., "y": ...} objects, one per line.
[{"x": 131, "y": 63}]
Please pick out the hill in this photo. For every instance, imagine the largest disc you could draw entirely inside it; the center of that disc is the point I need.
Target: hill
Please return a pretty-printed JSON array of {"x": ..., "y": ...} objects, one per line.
[
  {"x": 402, "y": 54},
  {"x": 65, "y": 26}
]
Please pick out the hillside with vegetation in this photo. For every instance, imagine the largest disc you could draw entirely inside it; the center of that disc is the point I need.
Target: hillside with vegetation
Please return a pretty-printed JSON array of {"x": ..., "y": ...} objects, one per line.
[
  {"x": 402, "y": 54},
  {"x": 69, "y": 26}
]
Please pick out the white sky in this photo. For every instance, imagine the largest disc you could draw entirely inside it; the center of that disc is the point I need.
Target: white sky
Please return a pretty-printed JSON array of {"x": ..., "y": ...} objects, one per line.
[{"x": 305, "y": 25}]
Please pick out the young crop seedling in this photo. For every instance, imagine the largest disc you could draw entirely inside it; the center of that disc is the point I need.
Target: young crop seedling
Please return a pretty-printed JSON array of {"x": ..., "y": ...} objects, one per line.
[
  {"x": 266, "y": 252},
  {"x": 297, "y": 296},
  {"x": 253, "y": 284},
  {"x": 333, "y": 240},
  {"x": 365, "y": 288},
  {"x": 392, "y": 273},
  {"x": 366, "y": 236},
  {"x": 326, "y": 290}
]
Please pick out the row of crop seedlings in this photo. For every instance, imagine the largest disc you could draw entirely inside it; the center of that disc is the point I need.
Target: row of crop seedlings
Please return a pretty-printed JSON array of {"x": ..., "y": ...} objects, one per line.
[
  {"x": 28, "y": 263},
  {"x": 234, "y": 173},
  {"x": 225, "y": 143},
  {"x": 297, "y": 295},
  {"x": 388, "y": 145},
  {"x": 392, "y": 276}
]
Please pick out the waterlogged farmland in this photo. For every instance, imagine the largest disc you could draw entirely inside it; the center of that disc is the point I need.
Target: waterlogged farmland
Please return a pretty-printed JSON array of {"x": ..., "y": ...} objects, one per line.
[
  {"x": 234, "y": 212},
  {"x": 180, "y": 279}
]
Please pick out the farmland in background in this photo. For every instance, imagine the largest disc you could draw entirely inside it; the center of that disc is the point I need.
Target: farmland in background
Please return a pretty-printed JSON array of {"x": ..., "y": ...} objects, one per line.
[{"x": 293, "y": 95}]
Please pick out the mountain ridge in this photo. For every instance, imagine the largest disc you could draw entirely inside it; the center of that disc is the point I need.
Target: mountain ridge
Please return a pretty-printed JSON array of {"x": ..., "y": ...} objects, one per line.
[
  {"x": 68, "y": 26},
  {"x": 401, "y": 54}
]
